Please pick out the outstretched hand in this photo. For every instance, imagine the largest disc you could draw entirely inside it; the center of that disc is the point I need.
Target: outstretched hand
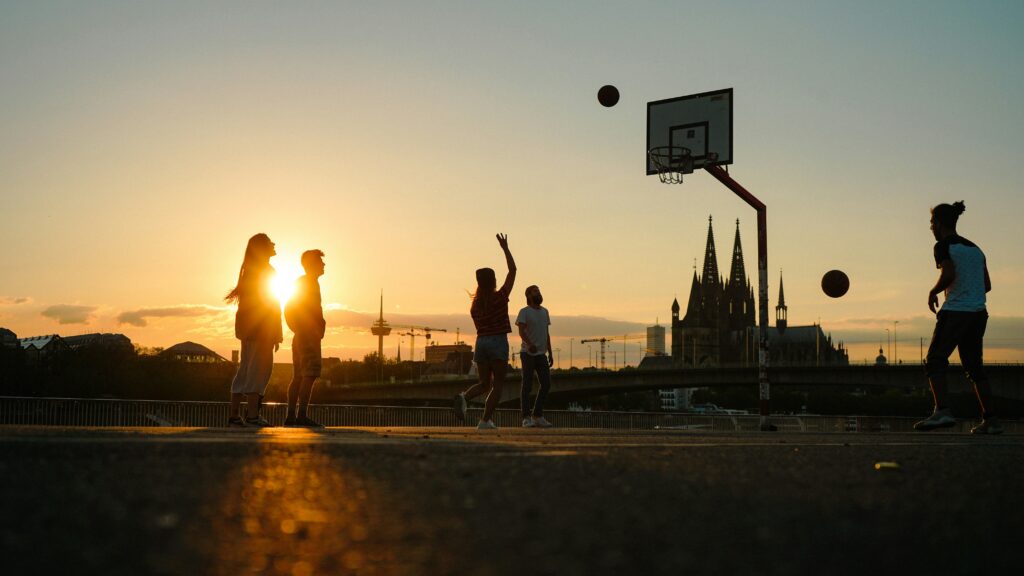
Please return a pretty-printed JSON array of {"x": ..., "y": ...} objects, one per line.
[{"x": 502, "y": 240}]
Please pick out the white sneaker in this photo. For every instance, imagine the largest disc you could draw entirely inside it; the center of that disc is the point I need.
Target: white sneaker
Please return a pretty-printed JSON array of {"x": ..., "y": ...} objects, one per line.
[
  {"x": 938, "y": 419},
  {"x": 542, "y": 422},
  {"x": 486, "y": 425},
  {"x": 528, "y": 423}
]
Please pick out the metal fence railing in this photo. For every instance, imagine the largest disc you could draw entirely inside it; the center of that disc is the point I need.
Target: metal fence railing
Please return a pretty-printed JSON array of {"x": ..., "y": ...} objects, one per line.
[{"x": 118, "y": 413}]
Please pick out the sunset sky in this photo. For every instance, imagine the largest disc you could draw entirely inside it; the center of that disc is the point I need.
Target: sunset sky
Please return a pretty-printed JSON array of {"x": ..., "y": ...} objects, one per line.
[{"x": 143, "y": 143}]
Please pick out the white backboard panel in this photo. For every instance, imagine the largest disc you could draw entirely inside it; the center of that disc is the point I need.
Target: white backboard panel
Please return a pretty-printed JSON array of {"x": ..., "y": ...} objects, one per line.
[{"x": 701, "y": 122}]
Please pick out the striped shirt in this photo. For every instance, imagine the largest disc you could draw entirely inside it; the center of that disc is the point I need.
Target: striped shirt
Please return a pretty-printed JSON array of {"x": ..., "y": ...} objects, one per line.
[{"x": 491, "y": 317}]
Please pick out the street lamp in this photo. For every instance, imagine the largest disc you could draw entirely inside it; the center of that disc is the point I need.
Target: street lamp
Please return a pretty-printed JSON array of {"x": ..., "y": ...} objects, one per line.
[
  {"x": 570, "y": 353},
  {"x": 895, "y": 341},
  {"x": 558, "y": 356},
  {"x": 888, "y": 344}
]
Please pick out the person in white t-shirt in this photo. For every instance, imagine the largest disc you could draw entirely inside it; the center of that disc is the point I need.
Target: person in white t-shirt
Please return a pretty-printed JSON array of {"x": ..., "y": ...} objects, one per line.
[
  {"x": 960, "y": 323},
  {"x": 536, "y": 356}
]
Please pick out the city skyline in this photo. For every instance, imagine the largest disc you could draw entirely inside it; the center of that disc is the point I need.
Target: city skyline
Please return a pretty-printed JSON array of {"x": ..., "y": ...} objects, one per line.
[{"x": 143, "y": 145}]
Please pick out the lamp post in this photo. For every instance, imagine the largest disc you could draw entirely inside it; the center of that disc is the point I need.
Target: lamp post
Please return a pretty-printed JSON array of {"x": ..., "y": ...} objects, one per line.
[
  {"x": 558, "y": 356},
  {"x": 888, "y": 344},
  {"x": 895, "y": 342},
  {"x": 570, "y": 353}
]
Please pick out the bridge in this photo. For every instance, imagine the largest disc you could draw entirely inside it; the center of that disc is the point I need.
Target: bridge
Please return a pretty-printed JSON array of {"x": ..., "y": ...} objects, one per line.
[{"x": 1007, "y": 381}]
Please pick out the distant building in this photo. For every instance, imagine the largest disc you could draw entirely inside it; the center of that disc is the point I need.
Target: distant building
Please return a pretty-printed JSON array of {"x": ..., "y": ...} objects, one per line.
[
  {"x": 675, "y": 399},
  {"x": 43, "y": 350},
  {"x": 719, "y": 326},
  {"x": 8, "y": 340},
  {"x": 192, "y": 352},
  {"x": 438, "y": 353},
  {"x": 655, "y": 341},
  {"x": 95, "y": 341}
]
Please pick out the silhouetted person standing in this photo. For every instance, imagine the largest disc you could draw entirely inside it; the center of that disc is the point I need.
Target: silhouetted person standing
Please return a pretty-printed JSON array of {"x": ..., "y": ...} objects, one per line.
[
  {"x": 960, "y": 323},
  {"x": 305, "y": 317},
  {"x": 490, "y": 316},
  {"x": 536, "y": 355},
  {"x": 258, "y": 326}
]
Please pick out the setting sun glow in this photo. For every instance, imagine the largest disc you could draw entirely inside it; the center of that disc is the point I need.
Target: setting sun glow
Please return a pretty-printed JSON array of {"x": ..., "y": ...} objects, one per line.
[{"x": 283, "y": 284}]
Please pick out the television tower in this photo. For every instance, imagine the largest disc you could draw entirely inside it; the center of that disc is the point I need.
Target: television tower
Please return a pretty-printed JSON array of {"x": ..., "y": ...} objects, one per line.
[{"x": 380, "y": 329}]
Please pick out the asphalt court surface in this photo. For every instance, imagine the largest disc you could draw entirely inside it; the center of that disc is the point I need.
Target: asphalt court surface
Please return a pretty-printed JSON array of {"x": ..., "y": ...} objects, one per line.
[{"x": 461, "y": 501}]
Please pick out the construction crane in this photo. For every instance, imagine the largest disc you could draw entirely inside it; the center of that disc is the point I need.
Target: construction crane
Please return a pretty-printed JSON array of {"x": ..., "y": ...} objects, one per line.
[
  {"x": 605, "y": 339},
  {"x": 412, "y": 336}
]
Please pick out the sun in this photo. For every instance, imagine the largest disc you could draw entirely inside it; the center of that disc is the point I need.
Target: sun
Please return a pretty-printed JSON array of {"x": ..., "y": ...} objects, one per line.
[{"x": 283, "y": 284}]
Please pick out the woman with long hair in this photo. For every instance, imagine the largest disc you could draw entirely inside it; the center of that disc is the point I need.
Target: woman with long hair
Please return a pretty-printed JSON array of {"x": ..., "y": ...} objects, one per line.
[
  {"x": 490, "y": 316},
  {"x": 258, "y": 326}
]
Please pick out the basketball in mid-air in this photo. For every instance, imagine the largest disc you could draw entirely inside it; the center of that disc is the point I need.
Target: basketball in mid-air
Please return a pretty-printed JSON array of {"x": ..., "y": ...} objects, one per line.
[
  {"x": 608, "y": 96},
  {"x": 835, "y": 283}
]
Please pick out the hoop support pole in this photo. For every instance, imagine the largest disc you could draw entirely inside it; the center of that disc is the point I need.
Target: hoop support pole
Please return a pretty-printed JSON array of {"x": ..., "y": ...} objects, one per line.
[{"x": 764, "y": 388}]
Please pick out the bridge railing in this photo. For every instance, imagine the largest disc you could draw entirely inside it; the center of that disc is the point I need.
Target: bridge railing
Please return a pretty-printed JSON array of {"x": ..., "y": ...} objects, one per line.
[{"x": 124, "y": 413}]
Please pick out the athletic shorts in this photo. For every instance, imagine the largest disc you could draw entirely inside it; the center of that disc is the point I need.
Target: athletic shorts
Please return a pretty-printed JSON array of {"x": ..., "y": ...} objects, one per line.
[
  {"x": 491, "y": 348},
  {"x": 306, "y": 356}
]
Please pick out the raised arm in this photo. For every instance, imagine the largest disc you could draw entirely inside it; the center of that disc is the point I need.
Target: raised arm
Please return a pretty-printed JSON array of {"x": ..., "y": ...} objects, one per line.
[{"x": 510, "y": 279}]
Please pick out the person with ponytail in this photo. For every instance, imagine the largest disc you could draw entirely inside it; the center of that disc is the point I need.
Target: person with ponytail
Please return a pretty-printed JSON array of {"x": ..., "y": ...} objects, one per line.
[
  {"x": 960, "y": 322},
  {"x": 490, "y": 316},
  {"x": 258, "y": 326}
]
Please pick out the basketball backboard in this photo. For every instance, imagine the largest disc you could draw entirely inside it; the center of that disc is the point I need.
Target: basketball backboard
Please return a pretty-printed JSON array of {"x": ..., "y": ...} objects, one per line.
[{"x": 700, "y": 122}]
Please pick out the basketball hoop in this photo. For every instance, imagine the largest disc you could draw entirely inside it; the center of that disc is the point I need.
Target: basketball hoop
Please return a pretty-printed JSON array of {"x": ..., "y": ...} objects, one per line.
[{"x": 671, "y": 162}]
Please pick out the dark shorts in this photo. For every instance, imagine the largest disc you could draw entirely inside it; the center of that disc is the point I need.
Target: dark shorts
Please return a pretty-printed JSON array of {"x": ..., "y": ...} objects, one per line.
[
  {"x": 306, "y": 356},
  {"x": 491, "y": 348},
  {"x": 963, "y": 331}
]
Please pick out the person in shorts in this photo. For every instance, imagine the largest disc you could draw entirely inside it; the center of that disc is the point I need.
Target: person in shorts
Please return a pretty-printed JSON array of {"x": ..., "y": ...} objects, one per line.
[
  {"x": 490, "y": 316},
  {"x": 960, "y": 322},
  {"x": 305, "y": 317},
  {"x": 536, "y": 356}
]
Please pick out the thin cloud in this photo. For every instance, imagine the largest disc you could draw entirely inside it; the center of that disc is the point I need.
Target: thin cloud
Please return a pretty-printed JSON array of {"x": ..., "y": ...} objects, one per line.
[
  {"x": 138, "y": 317},
  {"x": 69, "y": 313},
  {"x": 7, "y": 300}
]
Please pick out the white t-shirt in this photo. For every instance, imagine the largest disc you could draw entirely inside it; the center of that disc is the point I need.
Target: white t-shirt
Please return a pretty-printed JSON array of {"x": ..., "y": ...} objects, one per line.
[
  {"x": 967, "y": 292},
  {"x": 536, "y": 321}
]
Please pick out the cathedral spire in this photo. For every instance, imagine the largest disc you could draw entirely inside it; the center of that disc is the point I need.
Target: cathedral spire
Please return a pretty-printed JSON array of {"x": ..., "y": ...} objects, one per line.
[
  {"x": 710, "y": 275},
  {"x": 781, "y": 311},
  {"x": 738, "y": 273},
  {"x": 693, "y": 305}
]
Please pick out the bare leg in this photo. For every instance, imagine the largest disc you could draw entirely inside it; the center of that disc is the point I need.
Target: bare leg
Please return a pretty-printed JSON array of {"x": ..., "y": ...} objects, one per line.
[
  {"x": 498, "y": 367},
  {"x": 984, "y": 393},
  {"x": 484, "y": 385},
  {"x": 236, "y": 403},
  {"x": 938, "y": 385},
  {"x": 253, "y": 405},
  {"x": 293, "y": 394},
  {"x": 304, "y": 395}
]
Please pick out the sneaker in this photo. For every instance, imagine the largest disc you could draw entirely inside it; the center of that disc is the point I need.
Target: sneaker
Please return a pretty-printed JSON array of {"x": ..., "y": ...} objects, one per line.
[
  {"x": 542, "y": 422},
  {"x": 460, "y": 407},
  {"x": 486, "y": 425},
  {"x": 289, "y": 422},
  {"x": 307, "y": 422},
  {"x": 236, "y": 422},
  {"x": 939, "y": 419},
  {"x": 528, "y": 423},
  {"x": 988, "y": 426},
  {"x": 259, "y": 422}
]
